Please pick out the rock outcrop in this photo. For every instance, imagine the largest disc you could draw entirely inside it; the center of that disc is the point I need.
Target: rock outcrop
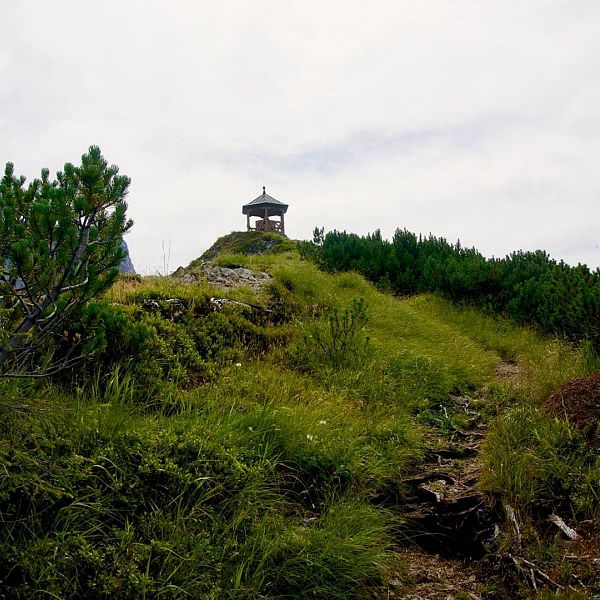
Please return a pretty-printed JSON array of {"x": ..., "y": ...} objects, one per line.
[
  {"x": 223, "y": 277},
  {"x": 126, "y": 266}
]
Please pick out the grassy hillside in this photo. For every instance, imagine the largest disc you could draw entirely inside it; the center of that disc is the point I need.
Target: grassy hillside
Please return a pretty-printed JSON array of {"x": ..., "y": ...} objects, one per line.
[
  {"x": 260, "y": 442},
  {"x": 249, "y": 243}
]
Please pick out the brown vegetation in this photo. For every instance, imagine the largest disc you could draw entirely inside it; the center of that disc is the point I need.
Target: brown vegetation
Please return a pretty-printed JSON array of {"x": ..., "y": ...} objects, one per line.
[{"x": 578, "y": 401}]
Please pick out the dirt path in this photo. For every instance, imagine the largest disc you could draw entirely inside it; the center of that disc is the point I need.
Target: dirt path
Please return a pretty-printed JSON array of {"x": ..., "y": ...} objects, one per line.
[
  {"x": 449, "y": 524},
  {"x": 431, "y": 577},
  {"x": 448, "y": 521}
]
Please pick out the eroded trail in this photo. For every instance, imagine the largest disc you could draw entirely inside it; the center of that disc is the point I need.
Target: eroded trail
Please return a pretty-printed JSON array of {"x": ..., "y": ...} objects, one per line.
[
  {"x": 448, "y": 520},
  {"x": 444, "y": 511}
]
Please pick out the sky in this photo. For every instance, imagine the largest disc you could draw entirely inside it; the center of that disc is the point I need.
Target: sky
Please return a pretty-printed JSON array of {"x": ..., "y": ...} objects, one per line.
[{"x": 476, "y": 120}]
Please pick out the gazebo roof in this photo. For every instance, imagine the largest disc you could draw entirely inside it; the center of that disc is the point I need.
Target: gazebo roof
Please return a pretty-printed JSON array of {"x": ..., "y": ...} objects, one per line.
[{"x": 264, "y": 201}]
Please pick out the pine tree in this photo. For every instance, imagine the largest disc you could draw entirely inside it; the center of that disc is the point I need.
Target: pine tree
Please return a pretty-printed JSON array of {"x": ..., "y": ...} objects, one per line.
[{"x": 60, "y": 245}]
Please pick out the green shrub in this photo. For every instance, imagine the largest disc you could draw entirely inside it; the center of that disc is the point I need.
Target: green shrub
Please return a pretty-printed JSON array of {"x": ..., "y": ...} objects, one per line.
[
  {"x": 158, "y": 336},
  {"x": 339, "y": 342}
]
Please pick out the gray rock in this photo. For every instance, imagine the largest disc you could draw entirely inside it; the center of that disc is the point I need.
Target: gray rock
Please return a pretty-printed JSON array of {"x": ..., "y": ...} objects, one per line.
[
  {"x": 223, "y": 276},
  {"x": 126, "y": 266}
]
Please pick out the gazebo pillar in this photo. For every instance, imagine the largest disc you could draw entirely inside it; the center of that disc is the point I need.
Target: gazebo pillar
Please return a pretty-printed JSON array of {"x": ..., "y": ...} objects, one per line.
[
  {"x": 282, "y": 223},
  {"x": 248, "y": 222}
]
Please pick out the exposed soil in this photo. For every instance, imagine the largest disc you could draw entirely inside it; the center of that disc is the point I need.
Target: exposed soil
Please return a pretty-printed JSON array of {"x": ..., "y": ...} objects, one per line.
[
  {"x": 583, "y": 556},
  {"x": 507, "y": 370},
  {"x": 578, "y": 401},
  {"x": 431, "y": 577},
  {"x": 445, "y": 512},
  {"x": 448, "y": 522}
]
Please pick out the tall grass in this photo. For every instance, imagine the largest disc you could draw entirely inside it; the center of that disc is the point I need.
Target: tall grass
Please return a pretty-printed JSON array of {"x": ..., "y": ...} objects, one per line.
[{"x": 540, "y": 464}]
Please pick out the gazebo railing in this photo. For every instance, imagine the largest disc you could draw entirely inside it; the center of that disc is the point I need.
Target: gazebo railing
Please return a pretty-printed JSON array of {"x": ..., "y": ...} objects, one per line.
[{"x": 267, "y": 225}]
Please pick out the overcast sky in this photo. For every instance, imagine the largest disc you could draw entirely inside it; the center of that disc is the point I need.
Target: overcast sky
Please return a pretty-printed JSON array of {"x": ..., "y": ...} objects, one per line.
[{"x": 470, "y": 119}]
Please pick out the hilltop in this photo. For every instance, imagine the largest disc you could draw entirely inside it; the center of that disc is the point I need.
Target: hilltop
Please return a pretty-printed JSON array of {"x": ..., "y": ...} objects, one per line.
[
  {"x": 255, "y": 427},
  {"x": 248, "y": 243}
]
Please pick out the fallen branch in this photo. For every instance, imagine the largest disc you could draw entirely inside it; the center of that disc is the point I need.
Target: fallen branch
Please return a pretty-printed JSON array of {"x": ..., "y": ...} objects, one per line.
[
  {"x": 533, "y": 571},
  {"x": 512, "y": 519},
  {"x": 568, "y": 531}
]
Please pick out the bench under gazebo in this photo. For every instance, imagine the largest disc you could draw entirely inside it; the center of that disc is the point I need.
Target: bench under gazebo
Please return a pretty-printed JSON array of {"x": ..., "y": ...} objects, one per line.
[{"x": 264, "y": 208}]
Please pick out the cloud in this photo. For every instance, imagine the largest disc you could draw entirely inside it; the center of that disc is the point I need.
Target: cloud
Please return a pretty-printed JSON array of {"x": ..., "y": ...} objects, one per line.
[{"x": 467, "y": 119}]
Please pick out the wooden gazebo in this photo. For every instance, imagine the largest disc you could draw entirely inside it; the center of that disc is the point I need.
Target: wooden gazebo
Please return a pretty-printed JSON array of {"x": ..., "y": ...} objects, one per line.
[{"x": 264, "y": 207}]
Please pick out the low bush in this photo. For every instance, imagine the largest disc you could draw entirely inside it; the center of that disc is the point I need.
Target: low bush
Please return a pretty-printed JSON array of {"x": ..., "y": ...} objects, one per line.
[
  {"x": 129, "y": 506},
  {"x": 159, "y": 336}
]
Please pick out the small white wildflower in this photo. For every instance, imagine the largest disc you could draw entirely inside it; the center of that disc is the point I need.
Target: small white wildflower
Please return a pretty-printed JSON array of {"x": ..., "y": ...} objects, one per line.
[
  {"x": 238, "y": 365},
  {"x": 250, "y": 429},
  {"x": 309, "y": 437},
  {"x": 322, "y": 422}
]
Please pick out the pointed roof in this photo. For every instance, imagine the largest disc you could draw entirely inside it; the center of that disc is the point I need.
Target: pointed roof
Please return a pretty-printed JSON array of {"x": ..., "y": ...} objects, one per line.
[{"x": 264, "y": 200}]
